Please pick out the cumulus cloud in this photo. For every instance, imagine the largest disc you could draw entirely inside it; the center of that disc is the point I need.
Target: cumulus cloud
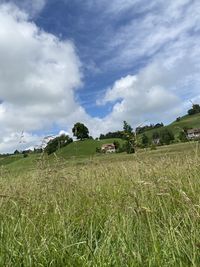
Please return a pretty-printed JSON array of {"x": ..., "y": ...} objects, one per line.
[
  {"x": 160, "y": 91},
  {"x": 38, "y": 76},
  {"x": 140, "y": 98},
  {"x": 162, "y": 45},
  {"x": 18, "y": 141}
]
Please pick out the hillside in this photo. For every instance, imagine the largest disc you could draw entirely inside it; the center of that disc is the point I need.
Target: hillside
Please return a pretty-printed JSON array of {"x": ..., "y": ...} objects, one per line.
[
  {"x": 84, "y": 148},
  {"x": 192, "y": 121},
  {"x": 87, "y": 148}
]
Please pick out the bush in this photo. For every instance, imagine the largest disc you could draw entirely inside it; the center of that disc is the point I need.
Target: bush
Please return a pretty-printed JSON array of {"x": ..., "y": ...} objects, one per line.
[
  {"x": 183, "y": 136},
  {"x": 122, "y": 149},
  {"x": 98, "y": 150}
]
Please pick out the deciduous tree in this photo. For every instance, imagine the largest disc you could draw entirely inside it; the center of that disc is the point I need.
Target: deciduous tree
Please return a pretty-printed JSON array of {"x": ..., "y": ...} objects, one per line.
[{"x": 80, "y": 131}]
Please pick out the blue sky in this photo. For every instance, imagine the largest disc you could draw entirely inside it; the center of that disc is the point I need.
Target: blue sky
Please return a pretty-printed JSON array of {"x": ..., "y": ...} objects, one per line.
[
  {"x": 99, "y": 62},
  {"x": 92, "y": 26},
  {"x": 90, "y": 29}
]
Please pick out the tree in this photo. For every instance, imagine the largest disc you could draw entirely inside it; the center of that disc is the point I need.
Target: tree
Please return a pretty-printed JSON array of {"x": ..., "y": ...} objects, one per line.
[
  {"x": 194, "y": 110},
  {"x": 129, "y": 136},
  {"x": 118, "y": 134},
  {"x": 155, "y": 135},
  {"x": 130, "y": 146},
  {"x": 182, "y": 136},
  {"x": 127, "y": 128},
  {"x": 58, "y": 142},
  {"x": 80, "y": 131},
  {"x": 145, "y": 140},
  {"x": 166, "y": 136},
  {"x": 16, "y": 152},
  {"x": 117, "y": 145}
]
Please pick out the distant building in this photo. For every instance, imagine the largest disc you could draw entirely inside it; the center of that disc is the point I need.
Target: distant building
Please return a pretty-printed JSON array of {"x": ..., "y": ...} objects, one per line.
[
  {"x": 193, "y": 133},
  {"x": 108, "y": 148},
  {"x": 156, "y": 141}
]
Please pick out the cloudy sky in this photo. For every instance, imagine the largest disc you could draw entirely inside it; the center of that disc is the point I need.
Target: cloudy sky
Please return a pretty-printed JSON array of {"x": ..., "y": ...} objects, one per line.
[{"x": 97, "y": 62}]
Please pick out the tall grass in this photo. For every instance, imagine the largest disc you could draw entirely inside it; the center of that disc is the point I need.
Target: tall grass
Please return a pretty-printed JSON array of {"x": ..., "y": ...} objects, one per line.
[{"x": 141, "y": 211}]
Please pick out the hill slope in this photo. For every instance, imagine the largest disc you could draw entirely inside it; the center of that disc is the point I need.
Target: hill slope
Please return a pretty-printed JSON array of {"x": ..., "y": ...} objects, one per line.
[
  {"x": 84, "y": 148},
  {"x": 192, "y": 121}
]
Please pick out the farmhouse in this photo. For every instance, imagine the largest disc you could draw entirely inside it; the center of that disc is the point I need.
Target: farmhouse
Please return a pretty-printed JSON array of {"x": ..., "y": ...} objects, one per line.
[
  {"x": 108, "y": 148},
  {"x": 193, "y": 133}
]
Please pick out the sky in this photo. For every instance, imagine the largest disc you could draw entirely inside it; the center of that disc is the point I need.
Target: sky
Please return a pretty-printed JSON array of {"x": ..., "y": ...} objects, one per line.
[{"x": 96, "y": 62}]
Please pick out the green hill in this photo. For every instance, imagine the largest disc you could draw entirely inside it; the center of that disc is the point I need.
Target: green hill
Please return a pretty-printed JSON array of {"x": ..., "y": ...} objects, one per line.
[
  {"x": 84, "y": 148},
  {"x": 88, "y": 147},
  {"x": 192, "y": 121}
]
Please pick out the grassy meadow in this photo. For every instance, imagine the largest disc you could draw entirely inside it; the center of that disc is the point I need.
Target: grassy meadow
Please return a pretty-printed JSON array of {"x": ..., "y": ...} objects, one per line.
[{"x": 110, "y": 210}]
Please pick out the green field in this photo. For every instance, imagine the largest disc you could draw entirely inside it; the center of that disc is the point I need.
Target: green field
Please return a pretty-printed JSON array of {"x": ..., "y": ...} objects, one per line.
[{"x": 109, "y": 210}]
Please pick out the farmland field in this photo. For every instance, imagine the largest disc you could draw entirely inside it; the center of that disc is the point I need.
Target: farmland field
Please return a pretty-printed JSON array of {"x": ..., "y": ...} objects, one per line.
[{"x": 110, "y": 210}]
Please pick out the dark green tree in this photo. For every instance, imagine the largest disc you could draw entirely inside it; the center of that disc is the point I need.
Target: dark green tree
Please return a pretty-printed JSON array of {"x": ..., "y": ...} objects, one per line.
[
  {"x": 145, "y": 140},
  {"x": 130, "y": 146},
  {"x": 80, "y": 131},
  {"x": 183, "y": 136},
  {"x": 129, "y": 136},
  {"x": 117, "y": 145},
  {"x": 166, "y": 136},
  {"x": 156, "y": 135},
  {"x": 98, "y": 150},
  {"x": 127, "y": 128},
  {"x": 57, "y": 143},
  {"x": 194, "y": 110}
]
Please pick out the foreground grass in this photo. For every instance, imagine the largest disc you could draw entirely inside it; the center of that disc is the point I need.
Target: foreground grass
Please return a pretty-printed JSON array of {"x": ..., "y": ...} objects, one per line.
[{"x": 141, "y": 210}]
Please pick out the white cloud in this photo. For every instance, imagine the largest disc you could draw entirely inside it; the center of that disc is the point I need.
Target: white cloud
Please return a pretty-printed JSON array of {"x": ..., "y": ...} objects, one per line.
[
  {"x": 143, "y": 97},
  {"x": 32, "y": 7},
  {"x": 164, "y": 40},
  {"x": 38, "y": 76},
  {"x": 137, "y": 31},
  {"x": 15, "y": 141}
]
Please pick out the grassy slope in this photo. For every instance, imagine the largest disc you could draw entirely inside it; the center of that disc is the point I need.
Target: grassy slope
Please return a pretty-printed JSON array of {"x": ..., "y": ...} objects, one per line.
[
  {"x": 186, "y": 121},
  {"x": 116, "y": 210},
  {"x": 67, "y": 157},
  {"x": 76, "y": 150},
  {"x": 9, "y": 159},
  {"x": 84, "y": 148}
]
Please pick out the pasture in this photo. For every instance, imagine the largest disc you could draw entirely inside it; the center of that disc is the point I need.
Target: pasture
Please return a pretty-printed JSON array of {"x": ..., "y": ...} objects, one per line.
[{"x": 111, "y": 210}]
